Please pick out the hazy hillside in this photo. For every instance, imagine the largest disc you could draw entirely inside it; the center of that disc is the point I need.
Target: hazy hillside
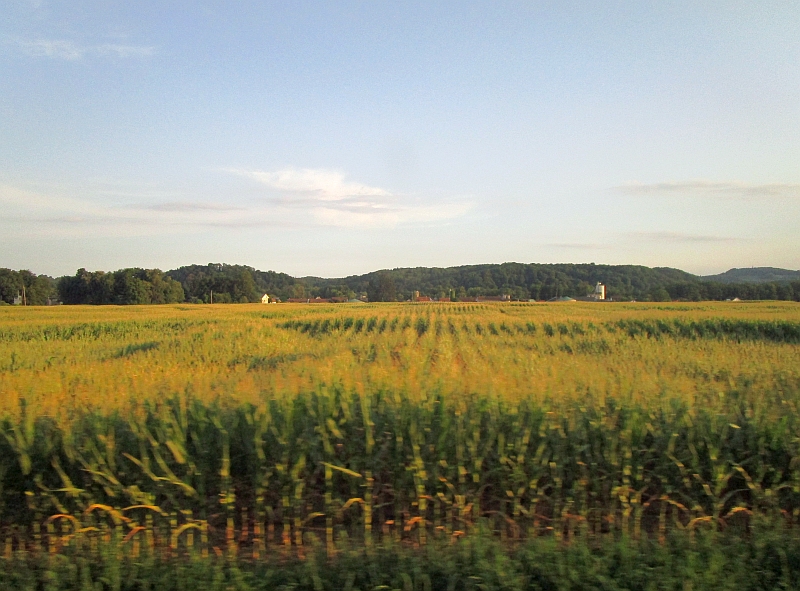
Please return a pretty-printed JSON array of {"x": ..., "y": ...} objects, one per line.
[
  {"x": 521, "y": 280},
  {"x": 754, "y": 275}
]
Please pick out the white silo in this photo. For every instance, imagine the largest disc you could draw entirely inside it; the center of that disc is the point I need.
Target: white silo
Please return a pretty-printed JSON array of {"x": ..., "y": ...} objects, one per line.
[{"x": 600, "y": 291}]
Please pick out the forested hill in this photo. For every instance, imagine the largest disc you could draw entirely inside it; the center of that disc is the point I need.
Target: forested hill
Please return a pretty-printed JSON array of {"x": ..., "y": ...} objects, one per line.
[
  {"x": 230, "y": 283},
  {"x": 522, "y": 281},
  {"x": 755, "y": 275}
]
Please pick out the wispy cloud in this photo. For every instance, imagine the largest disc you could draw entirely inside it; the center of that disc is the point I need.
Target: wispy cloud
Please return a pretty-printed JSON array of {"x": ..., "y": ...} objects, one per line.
[
  {"x": 626, "y": 239},
  {"x": 333, "y": 200},
  {"x": 52, "y": 48},
  {"x": 124, "y": 51},
  {"x": 293, "y": 199},
  {"x": 322, "y": 184},
  {"x": 678, "y": 237},
  {"x": 184, "y": 206},
  {"x": 55, "y": 214},
  {"x": 729, "y": 189},
  {"x": 64, "y": 49},
  {"x": 576, "y": 245},
  {"x": 383, "y": 216}
]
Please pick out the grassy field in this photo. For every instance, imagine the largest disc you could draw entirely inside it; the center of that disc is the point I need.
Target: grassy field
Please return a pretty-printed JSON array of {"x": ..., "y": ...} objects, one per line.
[{"x": 254, "y": 431}]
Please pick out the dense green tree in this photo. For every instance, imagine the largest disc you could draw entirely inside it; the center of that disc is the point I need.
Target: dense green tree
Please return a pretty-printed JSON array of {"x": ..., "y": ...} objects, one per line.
[
  {"x": 10, "y": 285},
  {"x": 382, "y": 289},
  {"x": 232, "y": 283},
  {"x": 659, "y": 294},
  {"x": 298, "y": 290},
  {"x": 37, "y": 289},
  {"x": 126, "y": 286},
  {"x": 332, "y": 291},
  {"x": 163, "y": 289},
  {"x": 130, "y": 289}
]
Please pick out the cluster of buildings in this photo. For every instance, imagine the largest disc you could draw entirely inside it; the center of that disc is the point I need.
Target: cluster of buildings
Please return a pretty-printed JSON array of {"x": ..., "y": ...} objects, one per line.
[{"x": 598, "y": 295}]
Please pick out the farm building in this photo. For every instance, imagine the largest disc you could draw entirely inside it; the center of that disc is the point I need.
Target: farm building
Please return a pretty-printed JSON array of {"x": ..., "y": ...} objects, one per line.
[{"x": 598, "y": 295}]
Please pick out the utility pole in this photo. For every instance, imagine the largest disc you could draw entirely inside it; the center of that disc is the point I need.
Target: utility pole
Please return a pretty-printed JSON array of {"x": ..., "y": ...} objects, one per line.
[
  {"x": 212, "y": 296},
  {"x": 24, "y": 300}
]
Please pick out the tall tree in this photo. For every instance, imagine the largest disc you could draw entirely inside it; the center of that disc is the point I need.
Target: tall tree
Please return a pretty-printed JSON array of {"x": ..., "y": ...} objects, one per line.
[{"x": 382, "y": 289}]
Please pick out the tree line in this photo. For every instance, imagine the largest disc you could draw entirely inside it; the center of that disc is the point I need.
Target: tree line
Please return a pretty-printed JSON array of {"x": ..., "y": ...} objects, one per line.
[
  {"x": 37, "y": 288},
  {"x": 225, "y": 283},
  {"x": 542, "y": 282},
  {"x": 125, "y": 286}
]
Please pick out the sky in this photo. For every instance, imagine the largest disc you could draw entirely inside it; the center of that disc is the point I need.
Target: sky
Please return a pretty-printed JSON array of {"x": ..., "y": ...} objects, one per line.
[{"x": 338, "y": 138}]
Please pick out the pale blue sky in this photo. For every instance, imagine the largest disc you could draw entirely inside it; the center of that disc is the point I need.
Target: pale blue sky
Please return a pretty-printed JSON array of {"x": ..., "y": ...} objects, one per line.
[{"x": 343, "y": 137}]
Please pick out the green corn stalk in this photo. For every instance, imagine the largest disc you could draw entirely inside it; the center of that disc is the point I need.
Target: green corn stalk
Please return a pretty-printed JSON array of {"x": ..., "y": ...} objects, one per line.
[
  {"x": 262, "y": 425},
  {"x": 369, "y": 427},
  {"x": 299, "y": 485},
  {"x": 420, "y": 478},
  {"x": 330, "y": 547},
  {"x": 227, "y": 496}
]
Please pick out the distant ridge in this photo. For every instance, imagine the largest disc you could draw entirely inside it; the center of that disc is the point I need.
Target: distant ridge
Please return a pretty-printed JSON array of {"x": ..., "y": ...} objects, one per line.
[
  {"x": 224, "y": 283},
  {"x": 755, "y": 275}
]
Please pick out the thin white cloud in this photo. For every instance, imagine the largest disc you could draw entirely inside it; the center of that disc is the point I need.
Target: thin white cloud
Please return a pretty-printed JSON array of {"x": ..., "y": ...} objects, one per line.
[
  {"x": 124, "y": 51},
  {"x": 307, "y": 199},
  {"x": 185, "y": 206},
  {"x": 723, "y": 189},
  {"x": 64, "y": 49},
  {"x": 577, "y": 245},
  {"x": 32, "y": 203},
  {"x": 32, "y": 213},
  {"x": 679, "y": 237},
  {"x": 386, "y": 217},
  {"x": 52, "y": 48},
  {"x": 322, "y": 184},
  {"x": 333, "y": 200}
]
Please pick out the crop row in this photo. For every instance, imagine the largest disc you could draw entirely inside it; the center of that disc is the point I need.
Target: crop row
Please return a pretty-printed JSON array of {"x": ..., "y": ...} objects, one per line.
[
  {"x": 93, "y": 330},
  {"x": 738, "y": 330},
  {"x": 105, "y": 358}
]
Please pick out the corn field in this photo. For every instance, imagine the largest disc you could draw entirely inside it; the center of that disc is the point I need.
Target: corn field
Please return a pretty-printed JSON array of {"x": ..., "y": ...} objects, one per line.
[{"x": 252, "y": 431}]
